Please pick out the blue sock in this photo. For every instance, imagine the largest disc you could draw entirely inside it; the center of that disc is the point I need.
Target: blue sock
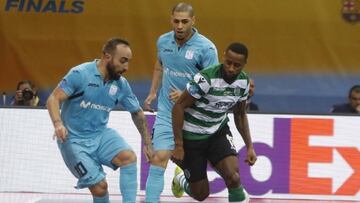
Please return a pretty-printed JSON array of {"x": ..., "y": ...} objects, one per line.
[
  {"x": 104, "y": 199},
  {"x": 128, "y": 183},
  {"x": 154, "y": 184}
]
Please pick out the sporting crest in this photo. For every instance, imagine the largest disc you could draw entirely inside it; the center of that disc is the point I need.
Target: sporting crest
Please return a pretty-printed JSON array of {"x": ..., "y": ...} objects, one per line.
[{"x": 351, "y": 10}]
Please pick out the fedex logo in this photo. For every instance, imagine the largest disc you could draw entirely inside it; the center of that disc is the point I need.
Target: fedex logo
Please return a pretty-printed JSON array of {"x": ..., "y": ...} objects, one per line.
[
  {"x": 300, "y": 168},
  {"x": 305, "y": 157}
]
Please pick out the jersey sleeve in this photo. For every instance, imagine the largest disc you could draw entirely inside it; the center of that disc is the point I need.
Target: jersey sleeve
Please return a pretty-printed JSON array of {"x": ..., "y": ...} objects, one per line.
[
  {"x": 129, "y": 101},
  {"x": 72, "y": 82},
  {"x": 198, "y": 87},
  {"x": 158, "y": 48},
  {"x": 209, "y": 56},
  {"x": 246, "y": 92}
]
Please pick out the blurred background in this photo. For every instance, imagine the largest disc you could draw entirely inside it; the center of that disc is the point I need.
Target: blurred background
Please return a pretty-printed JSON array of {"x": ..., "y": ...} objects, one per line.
[{"x": 304, "y": 55}]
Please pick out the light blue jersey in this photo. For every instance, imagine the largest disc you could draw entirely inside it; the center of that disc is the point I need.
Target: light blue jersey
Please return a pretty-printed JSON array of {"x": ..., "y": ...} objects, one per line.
[
  {"x": 86, "y": 112},
  {"x": 90, "y": 144},
  {"x": 180, "y": 64}
]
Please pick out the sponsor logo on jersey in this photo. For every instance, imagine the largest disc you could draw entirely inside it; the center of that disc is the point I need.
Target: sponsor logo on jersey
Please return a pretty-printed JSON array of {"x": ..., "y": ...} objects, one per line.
[
  {"x": 200, "y": 80},
  {"x": 224, "y": 105},
  {"x": 167, "y": 50},
  {"x": 93, "y": 85},
  {"x": 86, "y": 105}
]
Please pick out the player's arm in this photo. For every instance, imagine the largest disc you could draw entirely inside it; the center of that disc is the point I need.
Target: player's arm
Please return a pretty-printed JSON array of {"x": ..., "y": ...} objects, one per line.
[
  {"x": 242, "y": 125},
  {"x": 140, "y": 122},
  {"x": 53, "y": 105},
  {"x": 155, "y": 84},
  {"x": 185, "y": 101}
]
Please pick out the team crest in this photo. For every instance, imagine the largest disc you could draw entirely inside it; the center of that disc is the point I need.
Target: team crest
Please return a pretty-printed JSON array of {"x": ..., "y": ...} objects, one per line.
[
  {"x": 351, "y": 10},
  {"x": 113, "y": 89},
  {"x": 189, "y": 54},
  {"x": 237, "y": 91}
]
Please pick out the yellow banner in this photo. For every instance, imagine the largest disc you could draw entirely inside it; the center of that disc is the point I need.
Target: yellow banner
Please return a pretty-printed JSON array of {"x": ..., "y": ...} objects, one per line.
[{"x": 41, "y": 39}]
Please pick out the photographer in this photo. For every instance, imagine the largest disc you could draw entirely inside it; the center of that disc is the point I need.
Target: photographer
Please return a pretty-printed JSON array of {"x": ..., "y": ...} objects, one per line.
[{"x": 25, "y": 94}]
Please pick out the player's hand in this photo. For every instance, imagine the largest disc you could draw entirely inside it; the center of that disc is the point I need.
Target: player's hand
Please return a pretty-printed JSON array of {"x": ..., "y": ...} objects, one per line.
[
  {"x": 358, "y": 108},
  {"x": 148, "y": 152},
  {"x": 147, "y": 102},
  {"x": 178, "y": 155},
  {"x": 251, "y": 157},
  {"x": 60, "y": 132},
  {"x": 174, "y": 94}
]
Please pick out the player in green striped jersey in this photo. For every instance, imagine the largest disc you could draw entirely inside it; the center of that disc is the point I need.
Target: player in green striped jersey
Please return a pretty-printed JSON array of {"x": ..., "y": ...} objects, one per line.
[{"x": 200, "y": 127}]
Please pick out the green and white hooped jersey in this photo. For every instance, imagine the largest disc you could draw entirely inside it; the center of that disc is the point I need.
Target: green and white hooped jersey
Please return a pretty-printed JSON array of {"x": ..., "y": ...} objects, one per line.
[{"x": 214, "y": 98}]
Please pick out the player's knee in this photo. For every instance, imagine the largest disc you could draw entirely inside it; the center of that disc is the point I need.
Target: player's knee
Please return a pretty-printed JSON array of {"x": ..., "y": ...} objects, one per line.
[
  {"x": 200, "y": 196},
  {"x": 161, "y": 158},
  {"x": 232, "y": 180},
  {"x": 200, "y": 193},
  {"x": 124, "y": 158},
  {"x": 100, "y": 189}
]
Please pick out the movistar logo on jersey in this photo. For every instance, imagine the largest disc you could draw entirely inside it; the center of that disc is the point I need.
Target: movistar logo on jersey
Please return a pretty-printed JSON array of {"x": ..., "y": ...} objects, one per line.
[
  {"x": 46, "y": 6},
  {"x": 90, "y": 105}
]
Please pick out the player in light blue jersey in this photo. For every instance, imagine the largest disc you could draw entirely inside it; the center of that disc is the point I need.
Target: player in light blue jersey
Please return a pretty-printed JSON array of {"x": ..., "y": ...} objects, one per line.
[
  {"x": 181, "y": 54},
  {"x": 88, "y": 93}
]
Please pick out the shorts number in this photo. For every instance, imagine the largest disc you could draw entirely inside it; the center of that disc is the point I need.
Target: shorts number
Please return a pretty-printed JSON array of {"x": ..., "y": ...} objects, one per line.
[{"x": 80, "y": 169}]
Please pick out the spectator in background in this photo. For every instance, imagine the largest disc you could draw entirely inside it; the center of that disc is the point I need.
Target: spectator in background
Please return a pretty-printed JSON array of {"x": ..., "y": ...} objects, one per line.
[
  {"x": 26, "y": 95},
  {"x": 353, "y": 106},
  {"x": 250, "y": 105}
]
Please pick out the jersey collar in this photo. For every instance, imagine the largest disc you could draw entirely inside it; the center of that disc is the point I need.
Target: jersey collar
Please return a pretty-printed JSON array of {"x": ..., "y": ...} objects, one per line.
[{"x": 192, "y": 38}]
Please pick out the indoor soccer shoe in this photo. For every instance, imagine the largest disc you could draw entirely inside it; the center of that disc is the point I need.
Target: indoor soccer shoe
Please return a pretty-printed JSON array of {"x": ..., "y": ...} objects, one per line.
[
  {"x": 247, "y": 197},
  {"x": 176, "y": 188}
]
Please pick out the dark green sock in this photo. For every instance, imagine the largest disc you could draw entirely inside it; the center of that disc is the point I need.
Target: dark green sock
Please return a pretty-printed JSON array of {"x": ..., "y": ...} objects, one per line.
[{"x": 236, "y": 194}]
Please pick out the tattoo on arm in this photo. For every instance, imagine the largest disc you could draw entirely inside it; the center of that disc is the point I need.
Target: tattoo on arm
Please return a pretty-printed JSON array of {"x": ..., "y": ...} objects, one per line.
[{"x": 140, "y": 122}]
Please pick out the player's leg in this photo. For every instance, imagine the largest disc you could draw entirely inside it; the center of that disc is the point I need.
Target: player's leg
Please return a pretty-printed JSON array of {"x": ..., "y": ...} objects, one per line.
[
  {"x": 100, "y": 192},
  {"x": 163, "y": 144},
  {"x": 88, "y": 170},
  {"x": 194, "y": 178},
  {"x": 223, "y": 157},
  {"x": 115, "y": 152}
]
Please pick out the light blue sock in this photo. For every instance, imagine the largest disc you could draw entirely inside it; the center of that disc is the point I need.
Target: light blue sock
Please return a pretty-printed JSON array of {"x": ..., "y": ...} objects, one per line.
[
  {"x": 128, "y": 182},
  {"x": 104, "y": 199},
  {"x": 154, "y": 184}
]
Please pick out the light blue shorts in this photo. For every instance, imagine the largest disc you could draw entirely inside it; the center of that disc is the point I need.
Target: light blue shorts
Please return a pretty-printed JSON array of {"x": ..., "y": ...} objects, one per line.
[
  {"x": 85, "y": 157},
  {"x": 163, "y": 137}
]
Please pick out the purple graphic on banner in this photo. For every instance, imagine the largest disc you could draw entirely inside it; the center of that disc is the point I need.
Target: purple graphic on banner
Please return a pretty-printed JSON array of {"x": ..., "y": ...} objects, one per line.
[
  {"x": 279, "y": 156},
  {"x": 144, "y": 165}
]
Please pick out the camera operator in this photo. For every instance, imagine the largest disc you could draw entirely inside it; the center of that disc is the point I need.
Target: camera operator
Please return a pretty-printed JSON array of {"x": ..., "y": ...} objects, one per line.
[{"x": 25, "y": 94}]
